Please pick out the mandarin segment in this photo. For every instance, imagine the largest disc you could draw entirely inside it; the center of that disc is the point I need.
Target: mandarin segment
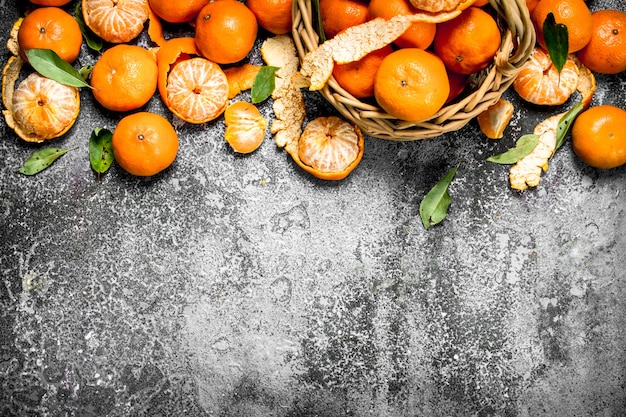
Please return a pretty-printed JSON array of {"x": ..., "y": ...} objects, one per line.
[
  {"x": 495, "y": 118},
  {"x": 245, "y": 127},
  {"x": 116, "y": 21},
  {"x": 197, "y": 90}
]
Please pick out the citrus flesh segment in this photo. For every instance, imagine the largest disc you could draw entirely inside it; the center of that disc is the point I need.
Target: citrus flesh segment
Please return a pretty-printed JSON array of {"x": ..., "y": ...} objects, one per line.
[
  {"x": 493, "y": 120},
  {"x": 116, "y": 21},
  {"x": 245, "y": 127},
  {"x": 197, "y": 90}
]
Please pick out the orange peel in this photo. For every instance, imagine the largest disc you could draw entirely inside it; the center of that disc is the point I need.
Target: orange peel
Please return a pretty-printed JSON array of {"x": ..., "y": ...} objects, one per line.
[
  {"x": 241, "y": 78},
  {"x": 438, "y": 6}
]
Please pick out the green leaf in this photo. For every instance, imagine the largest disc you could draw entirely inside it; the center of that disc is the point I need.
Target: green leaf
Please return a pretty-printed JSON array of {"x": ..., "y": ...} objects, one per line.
[
  {"x": 317, "y": 15},
  {"x": 93, "y": 41},
  {"x": 556, "y": 38},
  {"x": 434, "y": 206},
  {"x": 41, "y": 159},
  {"x": 49, "y": 64},
  {"x": 100, "y": 150},
  {"x": 523, "y": 147},
  {"x": 566, "y": 122},
  {"x": 264, "y": 84}
]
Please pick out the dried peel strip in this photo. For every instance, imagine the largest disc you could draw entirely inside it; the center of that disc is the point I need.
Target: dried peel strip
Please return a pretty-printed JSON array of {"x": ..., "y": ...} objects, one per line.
[
  {"x": 527, "y": 171},
  {"x": 289, "y": 110},
  {"x": 359, "y": 40}
]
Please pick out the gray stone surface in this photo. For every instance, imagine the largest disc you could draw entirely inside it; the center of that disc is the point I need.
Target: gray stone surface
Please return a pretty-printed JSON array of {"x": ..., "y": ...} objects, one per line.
[{"x": 242, "y": 286}]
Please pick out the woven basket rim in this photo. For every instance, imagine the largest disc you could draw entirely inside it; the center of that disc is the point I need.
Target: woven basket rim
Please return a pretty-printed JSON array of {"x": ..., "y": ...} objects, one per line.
[{"x": 518, "y": 42}]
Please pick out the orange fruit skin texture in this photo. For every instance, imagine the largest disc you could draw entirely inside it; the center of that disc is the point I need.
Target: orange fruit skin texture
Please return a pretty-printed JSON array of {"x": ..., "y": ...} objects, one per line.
[
  {"x": 411, "y": 84},
  {"x": 225, "y": 31},
  {"x": 606, "y": 51},
  {"x": 180, "y": 11},
  {"x": 272, "y": 15},
  {"x": 124, "y": 77},
  {"x": 144, "y": 143},
  {"x": 531, "y": 4},
  {"x": 468, "y": 43},
  {"x": 599, "y": 137},
  {"x": 572, "y": 13},
  {"x": 358, "y": 77},
  {"x": 51, "y": 28},
  {"x": 419, "y": 35},
  {"x": 338, "y": 15},
  {"x": 50, "y": 2}
]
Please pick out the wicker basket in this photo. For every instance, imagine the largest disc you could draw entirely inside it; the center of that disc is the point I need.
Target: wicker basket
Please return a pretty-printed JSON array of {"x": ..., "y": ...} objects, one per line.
[{"x": 485, "y": 88}]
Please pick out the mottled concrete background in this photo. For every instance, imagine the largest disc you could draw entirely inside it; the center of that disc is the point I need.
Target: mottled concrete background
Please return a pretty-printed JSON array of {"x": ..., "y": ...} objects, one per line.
[{"x": 242, "y": 286}]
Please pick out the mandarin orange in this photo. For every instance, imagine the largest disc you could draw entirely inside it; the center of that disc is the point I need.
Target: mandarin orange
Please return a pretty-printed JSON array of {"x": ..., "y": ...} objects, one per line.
[
  {"x": 599, "y": 138},
  {"x": 181, "y": 11},
  {"x": 51, "y": 28},
  {"x": 338, "y": 15},
  {"x": 418, "y": 35},
  {"x": 357, "y": 77},
  {"x": 468, "y": 43},
  {"x": 144, "y": 143},
  {"x": 225, "y": 31},
  {"x": 272, "y": 15},
  {"x": 606, "y": 51},
  {"x": 124, "y": 77},
  {"x": 572, "y": 13},
  {"x": 411, "y": 84},
  {"x": 116, "y": 21}
]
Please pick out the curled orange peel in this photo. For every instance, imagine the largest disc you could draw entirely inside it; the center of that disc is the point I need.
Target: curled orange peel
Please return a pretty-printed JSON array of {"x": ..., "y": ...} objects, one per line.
[{"x": 168, "y": 54}]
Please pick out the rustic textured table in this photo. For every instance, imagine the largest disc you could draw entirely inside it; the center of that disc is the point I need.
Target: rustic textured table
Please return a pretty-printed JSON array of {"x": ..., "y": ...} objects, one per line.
[{"x": 242, "y": 286}]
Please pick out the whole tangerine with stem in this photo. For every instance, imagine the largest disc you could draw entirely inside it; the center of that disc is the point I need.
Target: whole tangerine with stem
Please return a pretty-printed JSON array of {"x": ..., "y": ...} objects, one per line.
[
  {"x": 418, "y": 35},
  {"x": 572, "y": 13},
  {"x": 225, "y": 31},
  {"x": 338, "y": 15},
  {"x": 144, "y": 143},
  {"x": 411, "y": 84},
  {"x": 181, "y": 11},
  {"x": 116, "y": 21},
  {"x": 272, "y": 15},
  {"x": 124, "y": 77},
  {"x": 599, "y": 138},
  {"x": 51, "y": 28},
  {"x": 606, "y": 51},
  {"x": 468, "y": 43},
  {"x": 357, "y": 77}
]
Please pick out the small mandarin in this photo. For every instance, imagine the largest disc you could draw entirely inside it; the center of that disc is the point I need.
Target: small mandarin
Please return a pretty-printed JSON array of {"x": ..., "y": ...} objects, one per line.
[
  {"x": 338, "y": 15},
  {"x": 418, "y": 35},
  {"x": 124, "y": 77},
  {"x": 225, "y": 31},
  {"x": 181, "y": 11},
  {"x": 599, "y": 138},
  {"x": 606, "y": 51},
  {"x": 245, "y": 127},
  {"x": 572, "y": 13},
  {"x": 51, "y": 28},
  {"x": 56, "y": 3},
  {"x": 411, "y": 84},
  {"x": 144, "y": 143},
  {"x": 468, "y": 43},
  {"x": 116, "y": 21},
  {"x": 272, "y": 15},
  {"x": 357, "y": 77}
]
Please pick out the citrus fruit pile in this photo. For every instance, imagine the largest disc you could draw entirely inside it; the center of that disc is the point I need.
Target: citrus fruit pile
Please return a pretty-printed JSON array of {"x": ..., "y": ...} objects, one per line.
[
  {"x": 197, "y": 75},
  {"x": 428, "y": 65}
]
